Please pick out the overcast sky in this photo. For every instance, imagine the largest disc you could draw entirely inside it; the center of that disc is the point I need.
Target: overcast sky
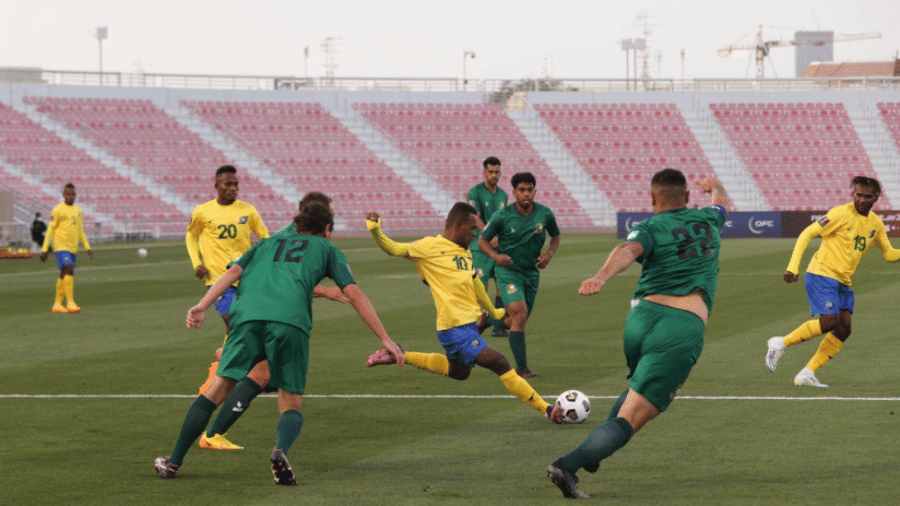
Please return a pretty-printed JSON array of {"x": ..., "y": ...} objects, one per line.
[{"x": 427, "y": 38}]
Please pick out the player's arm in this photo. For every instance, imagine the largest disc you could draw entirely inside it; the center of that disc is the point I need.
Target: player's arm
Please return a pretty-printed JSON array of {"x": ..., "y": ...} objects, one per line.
[
  {"x": 718, "y": 195},
  {"x": 486, "y": 245},
  {"x": 793, "y": 268},
  {"x": 192, "y": 241},
  {"x": 388, "y": 245},
  {"x": 51, "y": 230},
  {"x": 544, "y": 259},
  {"x": 83, "y": 237},
  {"x": 619, "y": 259},
  {"x": 257, "y": 225},
  {"x": 331, "y": 293},
  {"x": 197, "y": 314},
  {"x": 888, "y": 251},
  {"x": 366, "y": 312},
  {"x": 485, "y": 301}
]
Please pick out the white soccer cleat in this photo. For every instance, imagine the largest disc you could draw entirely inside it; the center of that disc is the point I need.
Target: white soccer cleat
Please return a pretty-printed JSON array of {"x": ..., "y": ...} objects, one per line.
[
  {"x": 808, "y": 378},
  {"x": 776, "y": 350}
]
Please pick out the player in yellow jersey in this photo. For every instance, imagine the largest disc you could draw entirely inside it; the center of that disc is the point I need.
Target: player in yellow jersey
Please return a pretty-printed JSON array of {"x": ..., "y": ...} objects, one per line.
[
  {"x": 847, "y": 232},
  {"x": 445, "y": 264},
  {"x": 218, "y": 234},
  {"x": 66, "y": 229}
]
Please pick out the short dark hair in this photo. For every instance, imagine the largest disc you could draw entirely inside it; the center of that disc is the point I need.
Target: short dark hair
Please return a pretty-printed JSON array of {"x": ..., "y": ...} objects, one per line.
[
  {"x": 458, "y": 213},
  {"x": 314, "y": 196},
  {"x": 313, "y": 219},
  {"x": 69, "y": 185},
  {"x": 523, "y": 177},
  {"x": 491, "y": 160},
  {"x": 669, "y": 183},
  {"x": 867, "y": 181},
  {"x": 226, "y": 169}
]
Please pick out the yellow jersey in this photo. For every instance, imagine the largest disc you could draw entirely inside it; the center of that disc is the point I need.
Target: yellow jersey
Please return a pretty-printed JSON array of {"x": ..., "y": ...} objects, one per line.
[
  {"x": 66, "y": 229},
  {"x": 448, "y": 270},
  {"x": 846, "y": 237},
  {"x": 218, "y": 235}
]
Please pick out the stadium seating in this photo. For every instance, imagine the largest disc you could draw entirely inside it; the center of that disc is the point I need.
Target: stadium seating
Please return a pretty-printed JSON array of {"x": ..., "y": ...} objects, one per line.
[
  {"x": 450, "y": 142},
  {"x": 801, "y": 155},
  {"x": 56, "y": 162},
  {"x": 311, "y": 149},
  {"x": 171, "y": 154},
  {"x": 621, "y": 146}
]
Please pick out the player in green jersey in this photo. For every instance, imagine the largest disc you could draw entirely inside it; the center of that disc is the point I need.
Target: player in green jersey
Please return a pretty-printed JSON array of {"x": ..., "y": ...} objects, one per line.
[
  {"x": 521, "y": 231},
  {"x": 679, "y": 253},
  {"x": 271, "y": 319},
  {"x": 487, "y": 198}
]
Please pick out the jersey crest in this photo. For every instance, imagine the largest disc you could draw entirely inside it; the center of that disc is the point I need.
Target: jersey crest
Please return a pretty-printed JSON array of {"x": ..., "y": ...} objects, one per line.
[
  {"x": 539, "y": 228},
  {"x": 243, "y": 220}
]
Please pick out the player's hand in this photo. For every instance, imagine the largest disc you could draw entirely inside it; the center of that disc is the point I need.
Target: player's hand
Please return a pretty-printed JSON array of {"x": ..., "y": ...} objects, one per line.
[
  {"x": 504, "y": 260},
  {"x": 43, "y": 256},
  {"x": 195, "y": 317},
  {"x": 556, "y": 414},
  {"x": 334, "y": 293},
  {"x": 708, "y": 184},
  {"x": 201, "y": 271},
  {"x": 90, "y": 255},
  {"x": 495, "y": 242},
  {"x": 372, "y": 220},
  {"x": 544, "y": 260},
  {"x": 591, "y": 286},
  {"x": 790, "y": 277},
  {"x": 397, "y": 352}
]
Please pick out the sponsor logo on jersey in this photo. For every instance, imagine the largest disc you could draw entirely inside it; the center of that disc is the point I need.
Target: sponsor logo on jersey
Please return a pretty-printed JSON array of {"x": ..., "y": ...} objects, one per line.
[{"x": 243, "y": 220}]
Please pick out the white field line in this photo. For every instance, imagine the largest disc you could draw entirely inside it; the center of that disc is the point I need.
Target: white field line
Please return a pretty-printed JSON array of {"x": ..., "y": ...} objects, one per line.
[{"x": 441, "y": 397}]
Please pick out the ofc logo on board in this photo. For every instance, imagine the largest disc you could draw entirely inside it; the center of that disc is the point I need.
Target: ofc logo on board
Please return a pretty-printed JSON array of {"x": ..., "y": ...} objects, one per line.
[
  {"x": 759, "y": 226},
  {"x": 629, "y": 224}
]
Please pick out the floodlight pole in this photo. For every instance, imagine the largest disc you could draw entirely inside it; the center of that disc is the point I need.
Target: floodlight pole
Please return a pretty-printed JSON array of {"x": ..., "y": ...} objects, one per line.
[
  {"x": 466, "y": 54},
  {"x": 101, "y": 33}
]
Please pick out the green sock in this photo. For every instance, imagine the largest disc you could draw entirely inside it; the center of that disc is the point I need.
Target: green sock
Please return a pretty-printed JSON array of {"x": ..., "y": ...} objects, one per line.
[
  {"x": 289, "y": 426},
  {"x": 234, "y": 406},
  {"x": 614, "y": 411},
  {"x": 602, "y": 442},
  {"x": 517, "y": 343},
  {"x": 194, "y": 422},
  {"x": 498, "y": 324}
]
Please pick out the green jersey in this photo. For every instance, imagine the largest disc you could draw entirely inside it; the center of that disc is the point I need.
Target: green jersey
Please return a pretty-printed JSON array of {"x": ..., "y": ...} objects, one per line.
[
  {"x": 487, "y": 204},
  {"x": 681, "y": 252},
  {"x": 279, "y": 276},
  {"x": 521, "y": 236}
]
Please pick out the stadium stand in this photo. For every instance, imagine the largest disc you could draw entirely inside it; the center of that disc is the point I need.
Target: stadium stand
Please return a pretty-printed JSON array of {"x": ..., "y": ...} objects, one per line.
[
  {"x": 621, "y": 146},
  {"x": 450, "y": 142},
  {"x": 788, "y": 146},
  {"x": 55, "y": 162},
  {"x": 311, "y": 149},
  {"x": 161, "y": 148}
]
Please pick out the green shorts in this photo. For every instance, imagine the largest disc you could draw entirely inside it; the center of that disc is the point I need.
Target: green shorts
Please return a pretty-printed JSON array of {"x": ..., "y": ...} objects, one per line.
[
  {"x": 485, "y": 266},
  {"x": 515, "y": 286},
  {"x": 286, "y": 347},
  {"x": 662, "y": 344}
]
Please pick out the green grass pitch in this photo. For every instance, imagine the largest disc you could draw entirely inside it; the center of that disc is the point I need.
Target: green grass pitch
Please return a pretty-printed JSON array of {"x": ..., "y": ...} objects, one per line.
[{"x": 88, "y": 401}]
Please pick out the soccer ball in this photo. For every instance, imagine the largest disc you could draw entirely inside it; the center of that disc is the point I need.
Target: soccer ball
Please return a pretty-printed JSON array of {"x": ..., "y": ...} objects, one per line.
[
  {"x": 142, "y": 252},
  {"x": 575, "y": 404}
]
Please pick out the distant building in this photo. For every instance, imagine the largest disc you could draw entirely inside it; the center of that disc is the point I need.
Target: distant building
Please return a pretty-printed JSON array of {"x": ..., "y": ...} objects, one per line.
[{"x": 854, "y": 69}]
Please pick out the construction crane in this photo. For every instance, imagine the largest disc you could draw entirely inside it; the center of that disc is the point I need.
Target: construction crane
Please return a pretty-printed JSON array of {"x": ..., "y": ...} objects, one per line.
[{"x": 761, "y": 47}]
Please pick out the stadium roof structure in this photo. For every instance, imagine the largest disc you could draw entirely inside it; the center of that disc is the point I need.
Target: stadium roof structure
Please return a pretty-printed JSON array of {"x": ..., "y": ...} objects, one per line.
[{"x": 854, "y": 69}]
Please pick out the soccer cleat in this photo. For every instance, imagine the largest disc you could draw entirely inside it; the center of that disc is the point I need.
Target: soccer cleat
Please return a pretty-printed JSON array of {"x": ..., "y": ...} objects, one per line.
[
  {"x": 72, "y": 308},
  {"x": 213, "y": 368},
  {"x": 808, "y": 378},
  {"x": 499, "y": 333},
  {"x": 776, "y": 350},
  {"x": 59, "y": 308},
  {"x": 565, "y": 480},
  {"x": 165, "y": 470},
  {"x": 592, "y": 468},
  {"x": 217, "y": 442},
  {"x": 526, "y": 373},
  {"x": 281, "y": 468}
]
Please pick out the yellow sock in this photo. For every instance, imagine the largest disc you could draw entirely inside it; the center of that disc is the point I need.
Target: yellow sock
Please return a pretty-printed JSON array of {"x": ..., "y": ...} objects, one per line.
[
  {"x": 69, "y": 288},
  {"x": 59, "y": 293},
  {"x": 804, "y": 332},
  {"x": 828, "y": 348},
  {"x": 521, "y": 389},
  {"x": 432, "y": 362}
]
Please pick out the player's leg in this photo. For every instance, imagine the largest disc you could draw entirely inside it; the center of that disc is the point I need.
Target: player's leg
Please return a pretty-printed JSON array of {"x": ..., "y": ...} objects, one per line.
[
  {"x": 834, "y": 302},
  {"x": 492, "y": 359},
  {"x": 513, "y": 293},
  {"x": 223, "y": 307},
  {"x": 234, "y": 407},
  {"x": 289, "y": 425},
  {"x": 822, "y": 293},
  {"x": 287, "y": 350},
  {"x": 65, "y": 260},
  {"x": 60, "y": 295}
]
